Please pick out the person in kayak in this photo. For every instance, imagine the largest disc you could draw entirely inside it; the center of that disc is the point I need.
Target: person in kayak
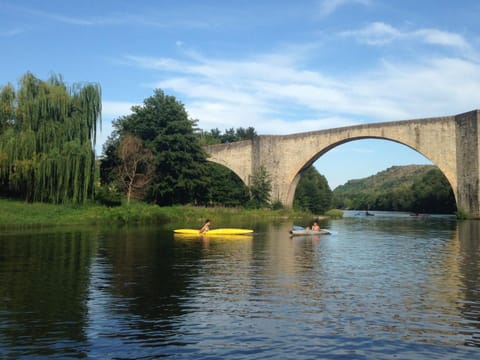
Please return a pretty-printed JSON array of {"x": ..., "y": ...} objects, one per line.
[
  {"x": 315, "y": 226},
  {"x": 205, "y": 227}
]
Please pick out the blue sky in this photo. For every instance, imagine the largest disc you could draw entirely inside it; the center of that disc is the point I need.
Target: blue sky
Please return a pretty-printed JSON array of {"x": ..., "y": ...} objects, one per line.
[{"x": 279, "y": 66}]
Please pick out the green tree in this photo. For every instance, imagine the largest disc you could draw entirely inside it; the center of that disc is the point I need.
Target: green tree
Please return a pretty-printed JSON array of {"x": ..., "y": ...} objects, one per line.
[
  {"x": 225, "y": 187},
  {"x": 229, "y": 136},
  {"x": 110, "y": 160},
  {"x": 7, "y": 106},
  {"x": 211, "y": 137},
  {"x": 433, "y": 194},
  {"x": 245, "y": 134},
  {"x": 260, "y": 188},
  {"x": 163, "y": 125},
  {"x": 313, "y": 193},
  {"x": 418, "y": 188},
  {"x": 215, "y": 136},
  {"x": 47, "y": 140}
]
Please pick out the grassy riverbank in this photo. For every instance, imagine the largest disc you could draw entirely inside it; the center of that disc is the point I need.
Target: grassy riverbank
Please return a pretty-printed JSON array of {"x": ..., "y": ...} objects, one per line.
[{"x": 21, "y": 214}]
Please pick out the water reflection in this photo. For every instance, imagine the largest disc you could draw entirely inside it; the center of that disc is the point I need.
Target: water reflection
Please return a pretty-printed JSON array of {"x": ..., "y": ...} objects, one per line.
[
  {"x": 381, "y": 287},
  {"x": 43, "y": 293},
  {"x": 141, "y": 280},
  {"x": 469, "y": 275}
]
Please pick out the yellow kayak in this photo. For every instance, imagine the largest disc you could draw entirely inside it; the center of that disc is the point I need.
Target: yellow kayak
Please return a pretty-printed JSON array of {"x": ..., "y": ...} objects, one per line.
[
  {"x": 204, "y": 236},
  {"x": 219, "y": 231}
]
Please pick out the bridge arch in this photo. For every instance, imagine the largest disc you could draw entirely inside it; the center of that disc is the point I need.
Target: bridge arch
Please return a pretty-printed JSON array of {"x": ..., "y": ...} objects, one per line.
[
  {"x": 452, "y": 143},
  {"x": 324, "y": 151},
  {"x": 236, "y": 156}
]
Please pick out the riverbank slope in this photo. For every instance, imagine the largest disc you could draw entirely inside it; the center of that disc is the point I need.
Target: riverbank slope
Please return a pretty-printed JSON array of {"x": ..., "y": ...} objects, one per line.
[{"x": 18, "y": 213}]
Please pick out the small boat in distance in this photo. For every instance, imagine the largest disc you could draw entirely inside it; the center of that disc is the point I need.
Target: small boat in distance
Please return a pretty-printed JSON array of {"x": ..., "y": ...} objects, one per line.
[
  {"x": 364, "y": 213},
  {"x": 420, "y": 215}
]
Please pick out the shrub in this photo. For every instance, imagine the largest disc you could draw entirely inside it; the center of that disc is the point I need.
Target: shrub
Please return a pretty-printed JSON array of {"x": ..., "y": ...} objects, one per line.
[
  {"x": 108, "y": 196},
  {"x": 277, "y": 205},
  {"x": 334, "y": 214}
]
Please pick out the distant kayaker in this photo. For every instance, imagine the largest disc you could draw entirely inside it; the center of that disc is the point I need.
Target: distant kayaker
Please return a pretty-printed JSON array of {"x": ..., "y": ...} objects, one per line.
[
  {"x": 205, "y": 226},
  {"x": 315, "y": 226}
]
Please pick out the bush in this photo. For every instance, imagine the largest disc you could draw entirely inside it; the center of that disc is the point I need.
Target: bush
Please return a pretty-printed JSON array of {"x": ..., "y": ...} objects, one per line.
[
  {"x": 334, "y": 214},
  {"x": 277, "y": 205},
  {"x": 108, "y": 196},
  {"x": 461, "y": 215}
]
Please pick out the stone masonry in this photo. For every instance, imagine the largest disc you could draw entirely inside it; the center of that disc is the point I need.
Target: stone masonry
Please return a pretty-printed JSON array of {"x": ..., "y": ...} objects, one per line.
[{"x": 450, "y": 142}]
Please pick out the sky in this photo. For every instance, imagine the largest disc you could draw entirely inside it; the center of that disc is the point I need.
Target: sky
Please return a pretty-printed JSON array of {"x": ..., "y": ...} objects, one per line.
[{"x": 281, "y": 67}]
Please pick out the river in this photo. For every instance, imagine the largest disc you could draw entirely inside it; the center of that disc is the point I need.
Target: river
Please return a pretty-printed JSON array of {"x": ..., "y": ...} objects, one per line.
[{"x": 389, "y": 286}]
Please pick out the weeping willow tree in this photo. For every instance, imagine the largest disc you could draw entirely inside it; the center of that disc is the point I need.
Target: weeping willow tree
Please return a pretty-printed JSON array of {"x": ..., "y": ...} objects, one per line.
[{"x": 47, "y": 139}]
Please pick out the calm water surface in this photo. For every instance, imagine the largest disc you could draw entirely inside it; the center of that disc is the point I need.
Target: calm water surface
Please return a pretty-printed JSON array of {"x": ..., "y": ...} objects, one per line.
[{"x": 389, "y": 286}]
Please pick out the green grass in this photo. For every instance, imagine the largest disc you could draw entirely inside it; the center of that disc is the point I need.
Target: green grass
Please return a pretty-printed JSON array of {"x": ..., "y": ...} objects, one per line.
[{"x": 21, "y": 214}]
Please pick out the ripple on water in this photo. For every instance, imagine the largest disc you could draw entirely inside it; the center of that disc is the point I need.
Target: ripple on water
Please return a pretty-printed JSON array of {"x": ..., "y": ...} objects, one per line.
[{"x": 379, "y": 289}]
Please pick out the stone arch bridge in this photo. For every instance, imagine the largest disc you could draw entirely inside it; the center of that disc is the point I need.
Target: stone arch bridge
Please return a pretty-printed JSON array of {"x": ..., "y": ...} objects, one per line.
[{"x": 450, "y": 142}]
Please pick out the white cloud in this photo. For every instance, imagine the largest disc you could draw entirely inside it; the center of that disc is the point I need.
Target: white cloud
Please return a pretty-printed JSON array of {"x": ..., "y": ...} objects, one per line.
[
  {"x": 377, "y": 33},
  {"x": 444, "y": 38},
  {"x": 114, "y": 109},
  {"x": 154, "y": 19},
  {"x": 282, "y": 127},
  {"x": 275, "y": 94},
  {"x": 438, "y": 86},
  {"x": 328, "y": 7}
]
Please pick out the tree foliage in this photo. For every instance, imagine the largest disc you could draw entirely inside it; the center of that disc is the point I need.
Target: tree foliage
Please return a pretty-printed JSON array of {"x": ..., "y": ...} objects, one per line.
[
  {"x": 260, "y": 188},
  {"x": 433, "y": 193},
  {"x": 47, "y": 135},
  {"x": 215, "y": 136},
  {"x": 163, "y": 126},
  {"x": 7, "y": 107},
  {"x": 225, "y": 188},
  {"x": 415, "y": 188},
  {"x": 313, "y": 193}
]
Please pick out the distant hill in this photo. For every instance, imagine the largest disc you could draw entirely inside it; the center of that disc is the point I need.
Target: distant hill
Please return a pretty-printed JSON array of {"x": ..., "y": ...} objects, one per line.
[
  {"x": 416, "y": 188},
  {"x": 387, "y": 180}
]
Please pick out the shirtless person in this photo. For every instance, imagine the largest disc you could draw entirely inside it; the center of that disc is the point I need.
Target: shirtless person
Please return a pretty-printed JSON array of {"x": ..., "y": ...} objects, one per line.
[{"x": 205, "y": 226}]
